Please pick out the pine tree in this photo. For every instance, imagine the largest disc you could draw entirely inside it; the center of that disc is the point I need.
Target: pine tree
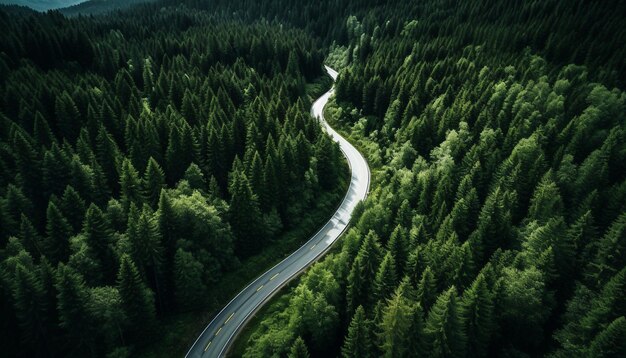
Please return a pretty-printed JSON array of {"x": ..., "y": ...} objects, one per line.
[
  {"x": 108, "y": 157},
  {"x": 255, "y": 174},
  {"x": 58, "y": 231},
  {"x": 195, "y": 178},
  {"x": 30, "y": 302},
  {"x": 358, "y": 342},
  {"x": 56, "y": 167},
  {"x": 417, "y": 339},
  {"x": 271, "y": 186},
  {"x": 42, "y": 132},
  {"x": 245, "y": 216},
  {"x": 611, "y": 342},
  {"x": 395, "y": 325},
  {"x": 146, "y": 248},
  {"x": 386, "y": 278},
  {"x": 153, "y": 182},
  {"x": 609, "y": 258},
  {"x": 130, "y": 185},
  {"x": 137, "y": 299},
  {"x": 546, "y": 202},
  {"x": 72, "y": 304},
  {"x": 427, "y": 289},
  {"x": 404, "y": 216},
  {"x": 326, "y": 152},
  {"x": 73, "y": 207},
  {"x": 30, "y": 238},
  {"x": 477, "y": 312},
  {"x": 444, "y": 327},
  {"x": 98, "y": 237},
  {"x": 362, "y": 273},
  {"x": 68, "y": 117},
  {"x": 397, "y": 246},
  {"x": 298, "y": 349}
]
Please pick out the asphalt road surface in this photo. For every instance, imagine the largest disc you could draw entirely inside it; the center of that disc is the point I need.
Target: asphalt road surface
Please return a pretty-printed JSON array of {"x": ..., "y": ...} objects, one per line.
[{"x": 220, "y": 333}]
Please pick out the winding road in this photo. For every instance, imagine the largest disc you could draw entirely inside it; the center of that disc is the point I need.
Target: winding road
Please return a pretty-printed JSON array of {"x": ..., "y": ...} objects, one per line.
[{"x": 220, "y": 333}]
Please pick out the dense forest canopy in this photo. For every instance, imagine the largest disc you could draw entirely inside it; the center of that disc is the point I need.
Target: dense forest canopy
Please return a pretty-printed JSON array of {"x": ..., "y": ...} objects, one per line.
[
  {"x": 146, "y": 153},
  {"x": 143, "y": 155},
  {"x": 497, "y": 225}
]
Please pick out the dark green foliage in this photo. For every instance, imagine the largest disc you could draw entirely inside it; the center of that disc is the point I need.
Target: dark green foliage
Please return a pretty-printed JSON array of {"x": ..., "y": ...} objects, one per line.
[
  {"x": 58, "y": 232},
  {"x": 153, "y": 182},
  {"x": 73, "y": 309},
  {"x": 497, "y": 154},
  {"x": 395, "y": 330},
  {"x": 31, "y": 307},
  {"x": 610, "y": 342},
  {"x": 477, "y": 312},
  {"x": 190, "y": 290},
  {"x": 98, "y": 238},
  {"x": 298, "y": 349},
  {"x": 444, "y": 331},
  {"x": 494, "y": 130},
  {"x": 137, "y": 300},
  {"x": 245, "y": 216},
  {"x": 97, "y": 134},
  {"x": 358, "y": 342}
]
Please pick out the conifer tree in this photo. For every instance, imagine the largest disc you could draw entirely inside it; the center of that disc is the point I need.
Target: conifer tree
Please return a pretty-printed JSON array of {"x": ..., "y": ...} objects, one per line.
[
  {"x": 73, "y": 309},
  {"x": 358, "y": 342},
  {"x": 397, "y": 246},
  {"x": 427, "y": 289},
  {"x": 31, "y": 308},
  {"x": 30, "y": 238},
  {"x": 477, "y": 311},
  {"x": 610, "y": 342},
  {"x": 130, "y": 185},
  {"x": 58, "y": 232},
  {"x": 362, "y": 273},
  {"x": 298, "y": 349},
  {"x": 386, "y": 278},
  {"x": 395, "y": 325},
  {"x": 245, "y": 216},
  {"x": 146, "y": 248},
  {"x": 73, "y": 207},
  {"x": 137, "y": 299},
  {"x": 153, "y": 182},
  {"x": 444, "y": 327},
  {"x": 609, "y": 259},
  {"x": 195, "y": 178},
  {"x": 98, "y": 237}
]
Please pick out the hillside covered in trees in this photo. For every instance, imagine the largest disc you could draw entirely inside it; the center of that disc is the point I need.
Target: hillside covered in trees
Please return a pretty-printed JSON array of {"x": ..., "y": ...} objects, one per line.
[
  {"x": 146, "y": 154},
  {"x": 142, "y": 156},
  {"x": 497, "y": 222}
]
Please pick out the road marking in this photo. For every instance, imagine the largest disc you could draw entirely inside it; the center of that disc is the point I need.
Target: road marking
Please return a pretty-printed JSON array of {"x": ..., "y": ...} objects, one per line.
[
  {"x": 312, "y": 247},
  {"x": 273, "y": 277},
  {"x": 229, "y": 317},
  {"x": 258, "y": 289},
  {"x": 207, "y": 346},
  {"x": 218, "y": 331}
]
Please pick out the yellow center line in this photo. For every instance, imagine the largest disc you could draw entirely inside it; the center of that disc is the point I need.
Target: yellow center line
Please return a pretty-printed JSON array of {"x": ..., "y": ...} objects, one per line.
[
  {"x": 218, "y": 331},
  {"x": 312, "y": 247},
  {"x": 273, "y": 277},
  {"x": 207, "y": 346},
  {"x": 229, "y": 317},
  {"x": 260, "y": 287}
]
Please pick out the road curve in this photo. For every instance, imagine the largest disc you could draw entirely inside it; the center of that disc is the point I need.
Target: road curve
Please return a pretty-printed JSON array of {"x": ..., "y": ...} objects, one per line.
[{"x": 220, "y": 333}]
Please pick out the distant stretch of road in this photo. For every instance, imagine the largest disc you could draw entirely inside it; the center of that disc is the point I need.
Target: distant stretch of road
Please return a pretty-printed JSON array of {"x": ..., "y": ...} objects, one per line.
[{"x": 220, "y": 333}]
